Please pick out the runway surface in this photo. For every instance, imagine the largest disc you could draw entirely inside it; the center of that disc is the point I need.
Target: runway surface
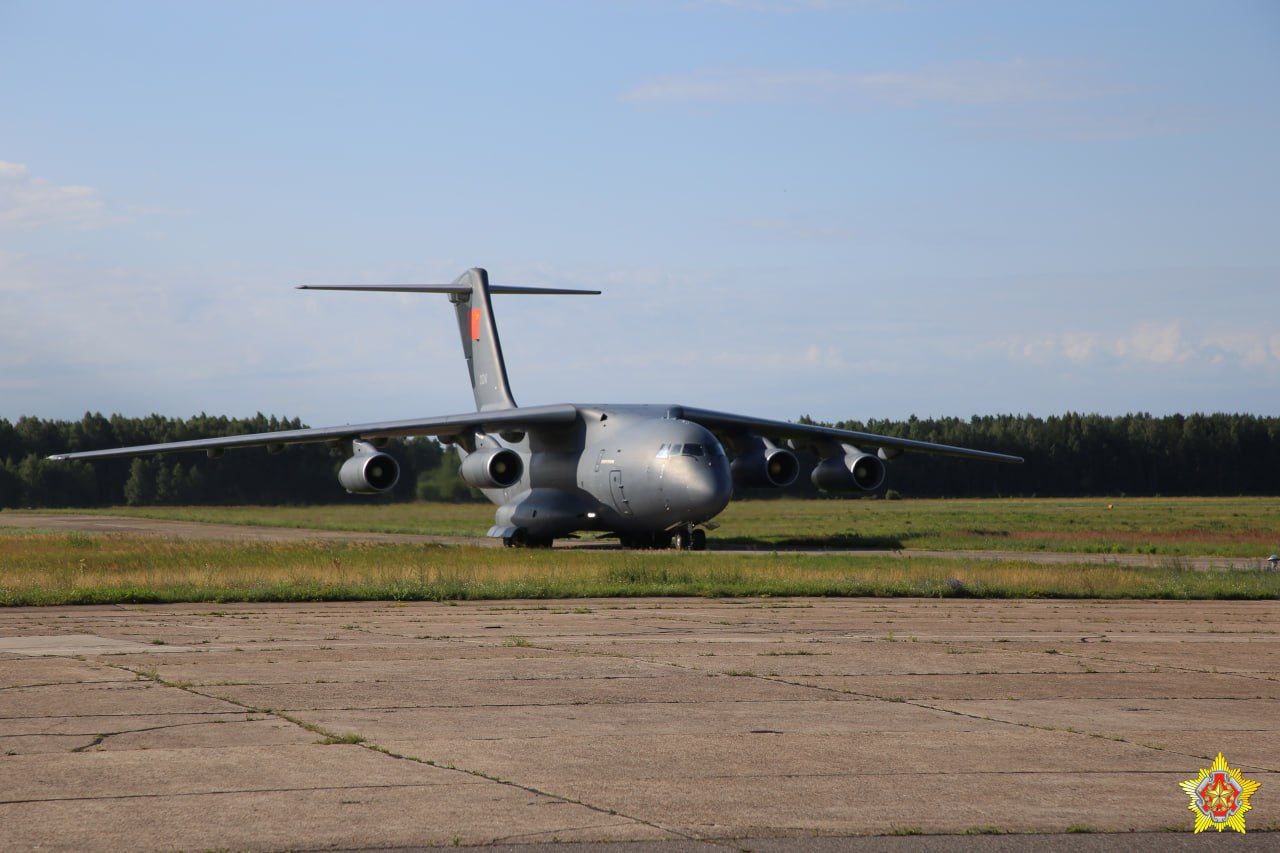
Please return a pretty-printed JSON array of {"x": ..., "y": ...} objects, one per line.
[
  {"x": 88, "y": 523},
  {"x": 686, "y": 724}
]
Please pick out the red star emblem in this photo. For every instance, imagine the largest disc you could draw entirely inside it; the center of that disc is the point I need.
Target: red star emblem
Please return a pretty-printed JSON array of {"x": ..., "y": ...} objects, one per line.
[{"x": 1219, "y": 796}]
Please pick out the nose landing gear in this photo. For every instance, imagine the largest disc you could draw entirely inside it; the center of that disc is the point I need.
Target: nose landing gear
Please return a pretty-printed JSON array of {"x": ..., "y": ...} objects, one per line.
[{"x": 689, "y": 539}]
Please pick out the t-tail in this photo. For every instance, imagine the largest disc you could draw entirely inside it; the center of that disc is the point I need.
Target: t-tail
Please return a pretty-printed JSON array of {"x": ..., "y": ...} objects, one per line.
[{"x": 476, "y": 326}]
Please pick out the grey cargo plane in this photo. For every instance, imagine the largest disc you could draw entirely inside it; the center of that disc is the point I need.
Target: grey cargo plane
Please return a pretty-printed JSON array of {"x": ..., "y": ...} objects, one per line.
[{"x": 650, "y": 474}]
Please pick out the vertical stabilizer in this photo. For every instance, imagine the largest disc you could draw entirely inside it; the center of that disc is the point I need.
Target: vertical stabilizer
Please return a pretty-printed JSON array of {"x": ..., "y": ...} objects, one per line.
[
  {"x": 480, "y": 342},
  {"x": 470, "y": 297}
]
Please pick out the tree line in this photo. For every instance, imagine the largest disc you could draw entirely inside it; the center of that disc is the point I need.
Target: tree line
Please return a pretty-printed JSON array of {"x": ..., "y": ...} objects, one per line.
[
  {"x": 1067, "y": 455},
  {"x": 1088, "y": 454},
  {"x": 304, "y": 473}
]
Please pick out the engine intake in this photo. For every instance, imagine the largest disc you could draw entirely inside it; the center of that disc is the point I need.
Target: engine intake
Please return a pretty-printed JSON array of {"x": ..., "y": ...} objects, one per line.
[
  {"x": 766, "y": 466},
  {"x": 369, "y": 472},
  {"x": 852, "y": 472},
  {"x": 495, "y": 468}
]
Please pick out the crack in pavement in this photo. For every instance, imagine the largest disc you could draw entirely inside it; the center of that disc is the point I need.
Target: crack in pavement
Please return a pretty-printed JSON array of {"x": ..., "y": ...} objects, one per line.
[
  {"x": 222, "y": 792},
  {"x": 566, "y": 645},
  {"x": 372, "y": 747},
  {"x": 1176, "y": 667},
  {"x": 124, "y": 714},
  {"x": 915, "y": 703},
  {"x": 61, "y": 684},
  {"x": 99, "y": 737}
]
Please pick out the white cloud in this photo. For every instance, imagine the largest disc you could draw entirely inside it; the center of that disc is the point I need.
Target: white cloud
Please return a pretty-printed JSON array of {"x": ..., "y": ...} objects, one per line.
[
  {"x": 1078, "y": 346},
  {"x": 1157, "y": 343},
  {"x": 961, "y": 83},
  {"x": 28, "y": 201},
  {"x": 1043, "y": 98},
  {"x": 1160, "y": 344}
]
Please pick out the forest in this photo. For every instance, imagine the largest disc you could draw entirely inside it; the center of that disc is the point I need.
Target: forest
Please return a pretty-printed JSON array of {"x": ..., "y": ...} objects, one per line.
[{"x": 1066, "y": 455}]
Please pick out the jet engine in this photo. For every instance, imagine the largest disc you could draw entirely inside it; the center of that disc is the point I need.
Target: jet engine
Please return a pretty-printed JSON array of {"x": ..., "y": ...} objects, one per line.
[
  {"x": 368, "y": 471},
  {"x": 854, "y": 471},
  {"x": 494, "y": 468},
  {"x": 765, "y": 466}
]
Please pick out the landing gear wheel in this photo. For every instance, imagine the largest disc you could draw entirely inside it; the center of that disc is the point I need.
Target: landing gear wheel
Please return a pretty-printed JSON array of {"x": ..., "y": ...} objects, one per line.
[
  {"x": 682, "y": 540},
  {"x": 518, "y": 539},
  {"x": 541, "y": 542},
  {"x": 699, "y": 540}
]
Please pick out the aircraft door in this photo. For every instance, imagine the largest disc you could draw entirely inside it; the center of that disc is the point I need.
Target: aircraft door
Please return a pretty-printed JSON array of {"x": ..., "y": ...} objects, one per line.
[{"x": 619, "y": 493}]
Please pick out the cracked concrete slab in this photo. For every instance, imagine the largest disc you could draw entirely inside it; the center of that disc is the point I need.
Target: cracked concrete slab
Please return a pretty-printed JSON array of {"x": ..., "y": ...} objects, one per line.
[
  {"x": 792, "y": 723},
  {"x": 1077, "y": 684},
  {"x": 112, "y": 697},
  {"x": 71, "y": 645},
  {"x": 341, "y": 816}
]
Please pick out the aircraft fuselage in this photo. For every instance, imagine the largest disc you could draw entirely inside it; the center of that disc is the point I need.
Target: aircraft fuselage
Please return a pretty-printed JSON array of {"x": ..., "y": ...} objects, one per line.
[{"x": 631, "y": 469}]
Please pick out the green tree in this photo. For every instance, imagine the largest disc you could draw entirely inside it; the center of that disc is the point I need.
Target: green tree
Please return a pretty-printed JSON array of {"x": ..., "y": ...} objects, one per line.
[
  {"x": 140, "y": 489},
  {"x": 443, "y": 483}
]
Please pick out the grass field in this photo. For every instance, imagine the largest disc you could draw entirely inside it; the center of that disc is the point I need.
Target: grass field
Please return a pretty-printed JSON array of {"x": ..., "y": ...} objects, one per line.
[
  {"x": 1229, "y": 527},
  {"x": 47, "y": 569}
]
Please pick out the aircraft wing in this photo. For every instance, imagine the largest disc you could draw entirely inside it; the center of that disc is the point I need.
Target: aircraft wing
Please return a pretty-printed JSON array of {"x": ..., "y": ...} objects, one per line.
[
  {"x": 784, "y": 429},
  {"x": 562, "y": 414}
]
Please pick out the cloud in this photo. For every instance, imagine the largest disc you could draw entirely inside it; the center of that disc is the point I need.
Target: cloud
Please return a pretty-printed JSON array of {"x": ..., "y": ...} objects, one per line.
[
  {"x": 28, "y": 201},
  {"x": 1014, "y": 81},
  {"x": 1043, "y": 98},
  {"x": 1153, "y": 344}
]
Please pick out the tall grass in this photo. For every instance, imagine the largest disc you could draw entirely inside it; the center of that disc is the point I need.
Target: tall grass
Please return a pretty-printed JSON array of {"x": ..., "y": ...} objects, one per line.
[
  {"x": 45, "y": 569},
  {"x": 1229, "y": 527}
]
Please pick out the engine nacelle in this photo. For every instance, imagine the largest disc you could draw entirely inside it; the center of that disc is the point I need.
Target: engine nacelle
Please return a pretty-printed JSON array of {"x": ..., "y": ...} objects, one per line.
[
  {"x": 494, "y": 468},
  {"x": 852, "y": 472},
  {"x": 369, "y": 472},
  {"x": 766, "y": 466}
]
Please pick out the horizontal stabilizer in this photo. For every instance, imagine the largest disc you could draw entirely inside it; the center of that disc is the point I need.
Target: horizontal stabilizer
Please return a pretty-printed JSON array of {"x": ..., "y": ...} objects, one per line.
[{"x": 451, "y": 288}]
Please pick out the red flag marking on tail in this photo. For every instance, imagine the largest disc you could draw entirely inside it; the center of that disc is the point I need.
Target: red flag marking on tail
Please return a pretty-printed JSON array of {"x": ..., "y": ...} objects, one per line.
[{"x": 475, "y": 324}]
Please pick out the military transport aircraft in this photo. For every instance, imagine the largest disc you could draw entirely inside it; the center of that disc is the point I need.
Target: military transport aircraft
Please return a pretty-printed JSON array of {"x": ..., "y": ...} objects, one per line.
[{"x": 650, "y": 474}]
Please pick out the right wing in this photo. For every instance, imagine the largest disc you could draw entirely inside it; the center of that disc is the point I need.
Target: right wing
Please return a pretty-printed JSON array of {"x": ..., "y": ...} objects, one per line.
[
  {"x": 562, "y": 414},
  {"x": 812, "y": 432}
]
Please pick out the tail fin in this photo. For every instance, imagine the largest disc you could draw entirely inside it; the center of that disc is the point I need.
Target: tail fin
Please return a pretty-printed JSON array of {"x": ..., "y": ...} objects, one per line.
[{"x": 480, "y": 345}]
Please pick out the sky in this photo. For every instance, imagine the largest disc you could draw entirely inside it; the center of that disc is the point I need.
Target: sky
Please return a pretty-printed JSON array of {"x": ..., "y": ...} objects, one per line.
[{"x": 864, "y": 209}]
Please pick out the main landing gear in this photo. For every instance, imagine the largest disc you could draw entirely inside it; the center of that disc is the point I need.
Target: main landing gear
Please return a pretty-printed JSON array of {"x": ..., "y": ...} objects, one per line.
[
  {"x": 521, "y": 539},
  {"x": 682, "y": 539}
]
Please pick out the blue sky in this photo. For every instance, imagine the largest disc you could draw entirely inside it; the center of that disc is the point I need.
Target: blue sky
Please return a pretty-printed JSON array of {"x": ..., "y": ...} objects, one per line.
[{"x": 862, "y": 209}]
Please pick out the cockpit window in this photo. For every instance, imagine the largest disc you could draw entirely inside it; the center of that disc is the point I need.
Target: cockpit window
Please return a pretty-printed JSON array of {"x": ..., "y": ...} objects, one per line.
[{"x": 699, "y": 450}]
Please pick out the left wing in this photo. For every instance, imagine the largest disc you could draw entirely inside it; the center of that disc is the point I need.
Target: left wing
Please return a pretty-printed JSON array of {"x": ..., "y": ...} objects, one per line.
[
  {"x": 513, "y": 418},
  {"x": 809, "y": 432}
]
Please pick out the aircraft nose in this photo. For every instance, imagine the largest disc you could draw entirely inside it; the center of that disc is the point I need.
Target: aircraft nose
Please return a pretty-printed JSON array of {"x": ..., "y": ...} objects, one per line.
[{"x": 708, "y": 490}]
